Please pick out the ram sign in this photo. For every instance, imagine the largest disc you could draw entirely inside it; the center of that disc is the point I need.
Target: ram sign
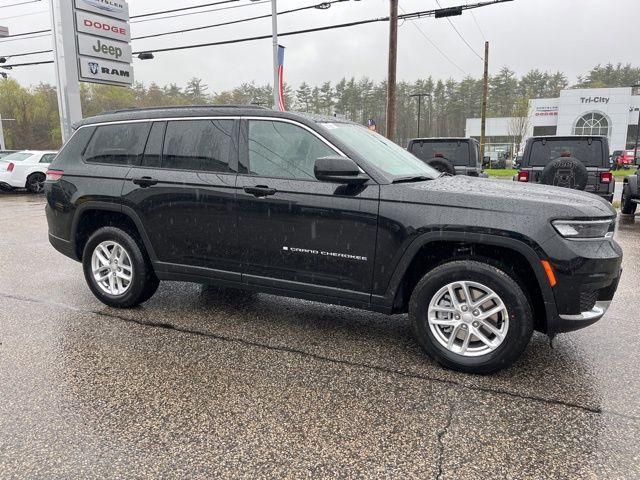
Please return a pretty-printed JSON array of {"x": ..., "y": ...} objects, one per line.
[{"x": 103, "y": 71}]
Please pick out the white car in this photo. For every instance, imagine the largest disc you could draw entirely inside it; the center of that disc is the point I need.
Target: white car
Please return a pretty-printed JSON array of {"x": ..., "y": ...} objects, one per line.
[{"x": 25, "y": 169}]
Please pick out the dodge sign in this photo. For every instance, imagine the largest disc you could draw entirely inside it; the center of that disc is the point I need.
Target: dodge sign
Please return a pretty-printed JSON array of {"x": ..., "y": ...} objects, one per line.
[{"x": 102, "y": 26}]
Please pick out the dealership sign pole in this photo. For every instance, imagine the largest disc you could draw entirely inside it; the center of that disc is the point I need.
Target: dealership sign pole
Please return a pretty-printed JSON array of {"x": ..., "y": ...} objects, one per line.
[
  {"x": 91, "y": 44},
  {"x": 66, "y": 66}
]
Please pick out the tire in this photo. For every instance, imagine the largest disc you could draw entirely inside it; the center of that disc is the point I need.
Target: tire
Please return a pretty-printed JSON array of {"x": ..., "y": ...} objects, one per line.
[
  {"x": 135, "y": 265},
  {"x": 35, "y": 182},
  {"x": 442, "y": 165},
  {"x": 565, "y": 172},
  {"x": 626, "y": 205},
  {"x": 515, "y": 328}
]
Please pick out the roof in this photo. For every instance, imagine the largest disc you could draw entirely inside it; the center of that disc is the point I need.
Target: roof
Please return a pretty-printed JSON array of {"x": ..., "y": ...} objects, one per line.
[
  {"x": 565, "y": 137},
  {"x": 202, "y": 111},
  {"x": 441, "y": 139}
]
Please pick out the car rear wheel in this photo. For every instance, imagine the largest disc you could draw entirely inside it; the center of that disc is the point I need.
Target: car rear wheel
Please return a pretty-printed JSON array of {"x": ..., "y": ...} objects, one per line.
[
  {"x": 626, "y": 205},
  {"x": 35, "y": 182},
  {"x": 471, "y": 316},
  {"x": 117, "y": 269}
]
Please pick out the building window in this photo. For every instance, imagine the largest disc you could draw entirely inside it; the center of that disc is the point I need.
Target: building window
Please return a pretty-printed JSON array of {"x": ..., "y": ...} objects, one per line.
[{"x": 592, "y": 124}]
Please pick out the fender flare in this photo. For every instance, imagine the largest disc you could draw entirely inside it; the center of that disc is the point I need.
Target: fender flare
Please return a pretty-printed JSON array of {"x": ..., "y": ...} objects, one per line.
[
  {"x": 118, "y": 208},
  {"x": 532, "y": 253}
]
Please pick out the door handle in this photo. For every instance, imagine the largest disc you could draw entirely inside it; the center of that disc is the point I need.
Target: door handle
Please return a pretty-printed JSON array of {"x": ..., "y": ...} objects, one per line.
[
  {"x": 144, "y": 182},
  {"x": 260, "y": 191}
]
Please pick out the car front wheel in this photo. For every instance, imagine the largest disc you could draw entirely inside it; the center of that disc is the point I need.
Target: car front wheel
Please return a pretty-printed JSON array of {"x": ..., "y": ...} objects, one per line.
[
  {"x": 117, "y": 270},
  {"x": 471, "y": 316}
]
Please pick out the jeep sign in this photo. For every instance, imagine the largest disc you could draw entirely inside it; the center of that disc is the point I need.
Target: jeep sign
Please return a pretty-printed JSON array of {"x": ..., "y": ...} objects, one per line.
[
  {"x": 104, "y": 48},
  {"x": 110, "y": 8},
  {"x": 102, "y": 26},
  {"x": 103, "y": 71}
]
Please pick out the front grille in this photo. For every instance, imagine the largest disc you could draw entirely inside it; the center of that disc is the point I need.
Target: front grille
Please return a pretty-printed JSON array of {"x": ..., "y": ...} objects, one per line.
[{"x": 588, "y": 299}]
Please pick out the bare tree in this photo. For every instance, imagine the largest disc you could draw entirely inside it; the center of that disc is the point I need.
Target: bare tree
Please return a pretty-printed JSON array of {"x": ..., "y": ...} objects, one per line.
[{"x": 519, "y": 123}]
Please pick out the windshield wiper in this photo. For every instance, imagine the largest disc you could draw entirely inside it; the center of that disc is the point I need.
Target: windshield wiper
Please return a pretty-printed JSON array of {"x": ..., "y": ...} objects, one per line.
[{"x": 415, "y": 178}]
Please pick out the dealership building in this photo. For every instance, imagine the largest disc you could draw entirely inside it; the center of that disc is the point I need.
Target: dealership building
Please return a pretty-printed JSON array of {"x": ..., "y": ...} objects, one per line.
[{"x": 612, "y": 112}]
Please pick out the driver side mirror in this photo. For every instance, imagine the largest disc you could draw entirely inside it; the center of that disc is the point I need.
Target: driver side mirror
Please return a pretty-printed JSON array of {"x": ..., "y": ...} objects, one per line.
[{"x": 338, "y": 170}]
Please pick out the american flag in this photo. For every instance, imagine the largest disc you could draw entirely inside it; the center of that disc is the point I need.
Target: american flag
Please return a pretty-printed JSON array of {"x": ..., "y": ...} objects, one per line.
[{"x": 281, "y": 106}]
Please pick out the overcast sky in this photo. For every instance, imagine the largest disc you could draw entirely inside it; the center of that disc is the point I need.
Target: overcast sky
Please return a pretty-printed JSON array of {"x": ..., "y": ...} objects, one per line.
[{"x": 566, "y": 35}]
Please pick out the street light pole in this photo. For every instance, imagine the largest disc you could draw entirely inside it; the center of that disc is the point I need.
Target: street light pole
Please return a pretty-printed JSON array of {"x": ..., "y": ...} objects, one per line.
[
  {"x": 274, "y": 28},
  {"x": 419, "y": 97}
]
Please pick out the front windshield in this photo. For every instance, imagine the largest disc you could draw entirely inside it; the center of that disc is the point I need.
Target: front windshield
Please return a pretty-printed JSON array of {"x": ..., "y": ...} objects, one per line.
[
  {"x": 381, "y": 152},
  {"x": 16, "y": 157}
]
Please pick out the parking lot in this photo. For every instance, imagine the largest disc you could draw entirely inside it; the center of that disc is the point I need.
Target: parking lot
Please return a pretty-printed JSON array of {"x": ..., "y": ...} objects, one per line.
[{"x": 202, "y": 383}]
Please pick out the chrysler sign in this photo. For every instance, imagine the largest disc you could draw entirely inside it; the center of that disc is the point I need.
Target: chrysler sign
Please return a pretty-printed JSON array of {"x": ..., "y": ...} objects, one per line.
[
  {"x": 104, "y": 48},
  {"x": 111, "y": 8},
  {"x": 104, "y": 71},
  {"x": 102, "y": 26}
]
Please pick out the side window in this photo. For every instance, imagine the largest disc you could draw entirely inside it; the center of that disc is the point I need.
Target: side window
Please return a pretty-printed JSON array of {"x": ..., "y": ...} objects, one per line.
[
  {"x": 72, "y": 151},
  {"x": 198, "y": 145},
  {"x": 153, "y": 151},
  {"x": 47, "y": 158},
  {"x": 117, "y": 144},
  {"x": 282, "y": 150}
]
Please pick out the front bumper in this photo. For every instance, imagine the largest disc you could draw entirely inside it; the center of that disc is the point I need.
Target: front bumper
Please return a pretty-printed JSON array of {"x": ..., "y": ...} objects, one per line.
[{"x": 587, "y": 274}]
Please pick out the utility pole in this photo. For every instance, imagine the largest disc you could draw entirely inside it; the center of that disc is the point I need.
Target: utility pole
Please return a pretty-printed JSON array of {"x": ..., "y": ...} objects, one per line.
[
  {"x": 391, "y": 77},
  {"x": 485, "y": 91},
  {"x": 66, "y": 65},
  {"x": 274, "y": 29}
]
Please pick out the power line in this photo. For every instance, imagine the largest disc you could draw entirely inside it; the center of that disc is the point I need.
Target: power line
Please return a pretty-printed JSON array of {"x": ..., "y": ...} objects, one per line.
[
  {"x": 446, "y": 57},
  {"x": 253, "y": 3},
  {"x": 25, "y": 38},
  {"x": 241, "y": 20},
  {"x": 478, "y": 25},
  {"x": 460, "y": 35},
  {"x": 183, "y": 8},
  {"x": 407, "y": 16},
  {"x": 19, "y": 3},
  {"x": 25, "y": 15},
  {"x": 317, "y": 6}
]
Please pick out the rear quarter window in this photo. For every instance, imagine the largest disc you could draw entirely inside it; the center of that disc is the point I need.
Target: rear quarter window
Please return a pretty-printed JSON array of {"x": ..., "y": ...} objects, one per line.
[{"x": 72, "y": 151}]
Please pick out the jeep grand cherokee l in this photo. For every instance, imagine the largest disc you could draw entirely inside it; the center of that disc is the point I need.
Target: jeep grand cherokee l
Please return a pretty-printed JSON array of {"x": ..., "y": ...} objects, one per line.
[{"x": 327, "y": 210}]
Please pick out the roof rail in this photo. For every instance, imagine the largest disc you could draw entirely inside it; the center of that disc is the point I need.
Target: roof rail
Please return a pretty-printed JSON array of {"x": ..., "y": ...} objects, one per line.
[{"x": 182, "y": 107}]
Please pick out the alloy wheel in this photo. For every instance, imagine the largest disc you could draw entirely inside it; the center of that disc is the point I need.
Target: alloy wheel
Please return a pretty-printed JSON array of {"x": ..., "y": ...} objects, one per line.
[
  {"x": 111, "y": 267},
  {"x": 468, "y": 318}
]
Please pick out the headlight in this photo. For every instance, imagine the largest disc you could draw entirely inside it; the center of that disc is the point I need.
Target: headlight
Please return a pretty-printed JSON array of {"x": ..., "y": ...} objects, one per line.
[{"x": 585, "y": 229}]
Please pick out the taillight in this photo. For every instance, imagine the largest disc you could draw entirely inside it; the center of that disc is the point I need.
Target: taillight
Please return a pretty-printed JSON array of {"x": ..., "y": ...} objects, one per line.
[
  {"x": 523, "y": 176},
  {"x": 54, "y": 175},
  {"x": 606, "y": 177},
  {"x": 10, "y": 167}
]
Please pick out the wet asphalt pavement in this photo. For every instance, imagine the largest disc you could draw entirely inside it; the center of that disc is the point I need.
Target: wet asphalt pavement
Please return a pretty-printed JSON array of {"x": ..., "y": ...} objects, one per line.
[{"x": 198, "y": 383}]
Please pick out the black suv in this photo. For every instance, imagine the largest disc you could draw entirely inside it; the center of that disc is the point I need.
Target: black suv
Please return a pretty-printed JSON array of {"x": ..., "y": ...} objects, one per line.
[
  {"x": 326, "y": 210},
  {"x": 577, "y": 162},
  {"x": 455, "y": 156}
]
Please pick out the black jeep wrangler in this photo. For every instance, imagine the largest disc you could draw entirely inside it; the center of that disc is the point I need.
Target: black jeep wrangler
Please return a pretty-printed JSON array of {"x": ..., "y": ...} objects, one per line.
[
  {"x": 455, "y": 156},
  {"x": 577, "y": 162},
  {"x": 326, "y": 210}
]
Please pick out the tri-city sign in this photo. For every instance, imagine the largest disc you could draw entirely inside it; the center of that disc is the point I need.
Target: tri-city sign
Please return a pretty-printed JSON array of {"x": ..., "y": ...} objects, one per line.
[{"x": 102, "y": 39}]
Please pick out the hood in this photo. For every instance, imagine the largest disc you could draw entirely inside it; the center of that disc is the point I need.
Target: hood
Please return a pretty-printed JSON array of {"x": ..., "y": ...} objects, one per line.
[{"x": 501, "y": 196}]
